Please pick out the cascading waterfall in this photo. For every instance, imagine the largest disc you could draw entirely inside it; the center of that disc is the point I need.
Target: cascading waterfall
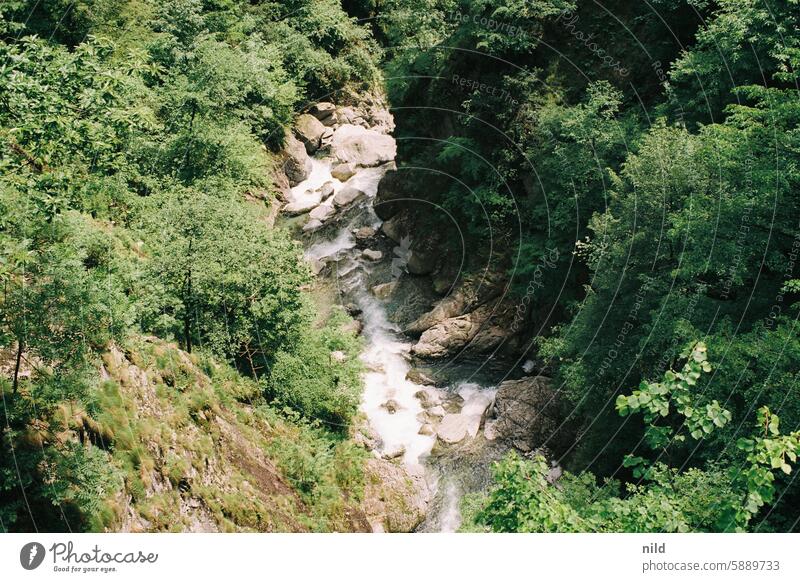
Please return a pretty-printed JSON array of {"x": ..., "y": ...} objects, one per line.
[{"x": 390, "y": 400}]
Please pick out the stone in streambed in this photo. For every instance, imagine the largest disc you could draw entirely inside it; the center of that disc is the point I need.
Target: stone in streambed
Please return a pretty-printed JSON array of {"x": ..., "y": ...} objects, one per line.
[
  {"x": 453, "y": 428},
  {"x": 303, "y": 206},
  {"x": 347, "y": 195},
  {"x": 343, "y": 172},
  {"x": 426, "y": 430},
  {"x": 312, "y": 225},
  {"x": 372, "y": 255},
  {"x": 391, "y": 406},
  {"x": 297, "y": 166},
  {"x": 384, "y": 290},
  {"x": 362, "y": 147},
  {"x": 322, "y": 212},
  {"x": 309, "y": 130},
  {"x": 417, "y": 377},
  {"x": 394, "y": 452}
]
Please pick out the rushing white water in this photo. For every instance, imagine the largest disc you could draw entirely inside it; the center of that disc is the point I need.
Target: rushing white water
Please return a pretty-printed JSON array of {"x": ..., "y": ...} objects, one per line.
[
  {"x": 389, "y": 399},
  {"x": 387, "y": 352}
]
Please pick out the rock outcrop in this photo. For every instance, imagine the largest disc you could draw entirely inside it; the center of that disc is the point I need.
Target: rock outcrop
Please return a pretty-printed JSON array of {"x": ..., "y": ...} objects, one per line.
[
  {"x": 297, "y": 165},
  {"x": 360, "y": 146},
  {"x": 527, "y": 413},
  {"x": 309, "y": 130},
  {"x": 395, "y": 499}
]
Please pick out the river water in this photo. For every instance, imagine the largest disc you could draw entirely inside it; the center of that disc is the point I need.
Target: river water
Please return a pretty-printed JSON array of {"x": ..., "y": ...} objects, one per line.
[{"x": 389, "y": 400}]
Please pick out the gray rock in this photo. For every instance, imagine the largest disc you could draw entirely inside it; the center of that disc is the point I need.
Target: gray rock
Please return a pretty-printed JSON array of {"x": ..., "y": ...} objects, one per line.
[
  {"x": 394, "y": 452},
  {"x": 312, "y": 225},
  {"x": 453, "y": 428},
  {"x": 297, "y": 166},
  {"x": 323, "y": 110},
  {"x": 527, "y": 412},
  {"x": 417, "y": 377},
  {"x": 309, "y": 130},
  {"x": 384, "y": 290},
  {"x": 326, "y": 189},
  {"x": 322, "y": 212},
  {"x": 391, "y": 406},
  {"x": 347, "y": 195},
  {"x": 426, "y": 430},
  {"x": 303, "y": 206},
  {"x": 362, "y": 147},
  {"x": 364, "y": 234},
  {"x": 372, "y": 255},
  {"x": 343, "y": 172}
]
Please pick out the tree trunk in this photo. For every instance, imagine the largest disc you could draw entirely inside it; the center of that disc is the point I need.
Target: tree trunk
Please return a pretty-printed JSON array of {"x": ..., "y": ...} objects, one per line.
[{"x": 20, "y": 348}]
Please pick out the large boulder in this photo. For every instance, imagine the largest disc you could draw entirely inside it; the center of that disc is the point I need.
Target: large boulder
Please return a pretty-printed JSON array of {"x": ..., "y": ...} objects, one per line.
[
  {"x": 396, "y": 498},
  {"x": 297, "y": 166},
  {"x": 362, "y": 147},
  {"x": 453, "y": 428},
  {"x": 309, "y": 130},
  {"x": 322, "y": 212},
  {"x": 343, "y": 172},
  {"x": 347, "y": 195},
  {"x": 303, "y": 205},
  {"x": 391, "y": 195},
  {"x": 325, "y": 112},
  {"x": 527, "y": 413}
]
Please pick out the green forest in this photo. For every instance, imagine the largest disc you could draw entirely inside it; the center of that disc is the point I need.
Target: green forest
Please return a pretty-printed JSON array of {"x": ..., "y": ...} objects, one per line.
[{"x": 163, "y": 342}]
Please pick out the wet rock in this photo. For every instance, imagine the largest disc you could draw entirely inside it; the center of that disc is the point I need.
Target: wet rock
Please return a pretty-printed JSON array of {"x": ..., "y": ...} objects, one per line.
[
  {"x": 393, "y": 229},
  {"x": 364, "y": 234},
  {"x": 352, "y": 309},
  {"x": 312, "y": 225},
  {"x": 372, "y": 255},
  {"x": 391, "y": 406},
  {"x": 326, "y": 190},
  {"x": 417, "y": 377},
  {"x": 343, "y": 172},
  {"x": 436, "y": 412},
  {"x": 384, "y": 290},
  {"x": 347, "y": 195},
  {"x": 427, "y": 398},
  {"x": 322, "y": 212},
  {"x": 420, "y": 263},
  {"x": 427, "y": 430},
  {"x": 394, "y": 452},
  {"x": 309, "y": 130},
  {"x": 297, "y": 166},
  {"x": 453, "y": 428},
  {"x": 391, "y": 196},
  {"x": 362, "y": 147},
  {"x": 305, "y": 205},
  {"x": 453, "y": 403}
]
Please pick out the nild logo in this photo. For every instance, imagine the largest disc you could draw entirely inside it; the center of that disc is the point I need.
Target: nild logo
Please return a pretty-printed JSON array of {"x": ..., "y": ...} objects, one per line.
[{"x": 31, "y": 555}]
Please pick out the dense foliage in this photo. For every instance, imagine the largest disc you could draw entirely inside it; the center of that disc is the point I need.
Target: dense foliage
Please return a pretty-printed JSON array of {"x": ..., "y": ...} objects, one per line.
[
  {"x": 137, "y": 142},
  {"x": 653, "y": 149}
]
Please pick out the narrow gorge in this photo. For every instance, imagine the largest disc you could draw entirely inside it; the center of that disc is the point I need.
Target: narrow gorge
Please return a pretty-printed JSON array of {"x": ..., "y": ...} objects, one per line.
[{"x": 431, "y": 401}]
